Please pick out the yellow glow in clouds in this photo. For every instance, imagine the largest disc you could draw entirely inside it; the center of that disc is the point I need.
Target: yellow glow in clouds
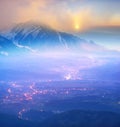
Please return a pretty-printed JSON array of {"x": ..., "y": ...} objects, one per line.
[{"x": 77, "y": 26}]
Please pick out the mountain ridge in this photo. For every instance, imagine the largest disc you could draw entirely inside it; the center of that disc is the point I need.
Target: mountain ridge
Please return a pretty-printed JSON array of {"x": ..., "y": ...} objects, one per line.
[{"x": 37, "y": 37}]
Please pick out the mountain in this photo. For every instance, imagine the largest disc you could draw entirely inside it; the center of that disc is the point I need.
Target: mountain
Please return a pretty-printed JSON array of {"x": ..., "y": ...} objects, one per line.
[
  {"x": 35, "y": 36},
  {"x": 6, "y": 46},
  {"x": 41, "y": 36}
]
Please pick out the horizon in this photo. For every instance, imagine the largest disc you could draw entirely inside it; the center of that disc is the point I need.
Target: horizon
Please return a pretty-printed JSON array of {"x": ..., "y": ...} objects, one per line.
[{"x": 87, "y": 19}]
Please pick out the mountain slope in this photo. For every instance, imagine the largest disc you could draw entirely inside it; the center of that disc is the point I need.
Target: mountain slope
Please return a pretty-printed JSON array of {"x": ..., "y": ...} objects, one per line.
[
  {"x": 6, "y": 46},
  {"x": 38, "y": 36}
]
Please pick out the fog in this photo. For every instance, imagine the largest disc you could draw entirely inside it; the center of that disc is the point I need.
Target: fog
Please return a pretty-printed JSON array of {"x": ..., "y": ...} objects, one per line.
[{"x": 60, "y": 65}]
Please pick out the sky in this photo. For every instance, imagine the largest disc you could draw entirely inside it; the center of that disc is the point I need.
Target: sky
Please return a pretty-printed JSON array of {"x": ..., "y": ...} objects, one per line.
[{"x": 84, "y": 17}]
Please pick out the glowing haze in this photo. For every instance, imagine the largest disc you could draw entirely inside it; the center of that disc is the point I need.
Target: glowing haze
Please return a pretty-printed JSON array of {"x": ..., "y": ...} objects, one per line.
[
  {"x": 89, "y": 18},
  {"x": 67, "y": 15}
]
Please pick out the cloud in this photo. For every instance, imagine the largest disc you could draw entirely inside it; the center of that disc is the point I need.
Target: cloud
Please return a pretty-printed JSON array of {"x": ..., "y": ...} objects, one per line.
[{"x": 61, "y": 14}]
